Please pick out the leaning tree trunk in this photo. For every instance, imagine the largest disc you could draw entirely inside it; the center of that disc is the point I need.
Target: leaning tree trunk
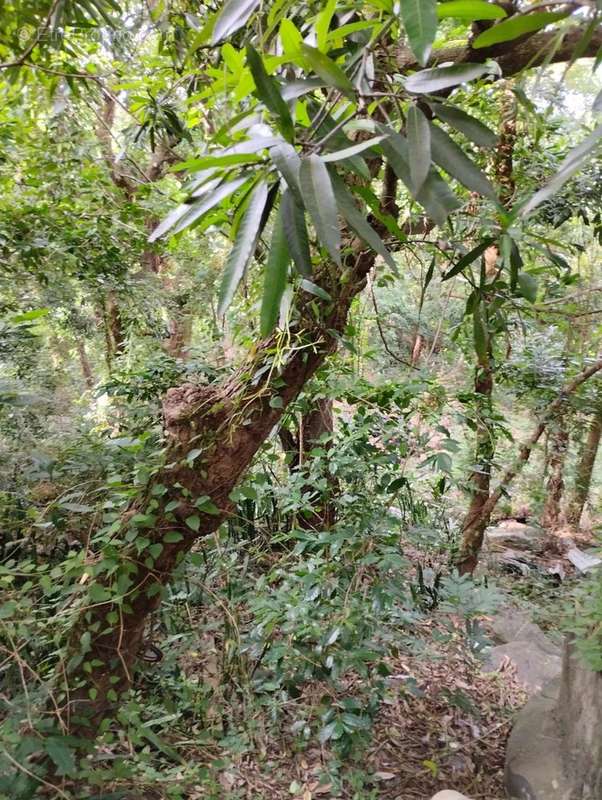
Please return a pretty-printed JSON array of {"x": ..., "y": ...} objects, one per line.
[
  {"x": 475, "y": 521},
  {"x": 558, "y": 444},
  {"x": 585, "y": 468},
  {"x": 213, "y": 433},
  {"x": 84, "y": 363}
]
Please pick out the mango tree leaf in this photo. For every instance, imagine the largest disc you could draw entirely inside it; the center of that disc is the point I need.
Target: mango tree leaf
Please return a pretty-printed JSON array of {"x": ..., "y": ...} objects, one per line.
[
  {"x": 468, "y": 259},
  {"x": 321, "y": 204},
  {"x": 233, "y": 16},
  {"x": 516, "y": 26},
  {"x": 472, "y": 128},
  {"x": 434, "y": 80},
  {"x": 419, "y": 146},
  {"x": 353, "y": 150},
  {"x": 276, "y": 272},
  {"x": 470, "y": 10},
  {"x": 268, "y": 91},
  {"x": 323, "y": 21},
  {"x": 244, "y": 246},
  {"x": 571, "y": 164},
  {"x": 420, "y": 23},
  {"x": 480, "y": 331},
  {"x": 288, "y": 163},
  {"x": 293, "y": 220},
  {"x": 313, "y": 288},
  {"x": 454, "y": 161},
  {"x": 527, "y": 286},
  {"x": 187, "y": 213},
  {"x": 359, "y": 223},
  {"x": 326, "y": 68}
]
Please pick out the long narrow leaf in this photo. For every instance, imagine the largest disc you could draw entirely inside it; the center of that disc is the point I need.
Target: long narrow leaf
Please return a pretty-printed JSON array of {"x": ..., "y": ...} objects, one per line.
[
  {"x": 472, "y": 128},
  {"x": 276, "y": 272},
  {"x": 420, "y": 23},
  {"x": 419, "y": 146},
  {"x": 268, "y": 92},
  {"x": 454, "y": 161},
  {"x": 321, "y": 204},
  {"x": 571, "y": 164},
  {"x": 353, "y": 150},
  {"x": 293, "y": 220},
  {"x": 288, "y": 164},
  {"x": 469, "y": 258},
  {"x": 244, "y": 246},
  {"x": 326, "y": 68},
  {"x": 470, "y": 10},
  {"x": 517, "y": 26},
  {"x": 359, "y": 223},
  {"x": 233, "y": 16},
  {"x": 428, "y": 81}
]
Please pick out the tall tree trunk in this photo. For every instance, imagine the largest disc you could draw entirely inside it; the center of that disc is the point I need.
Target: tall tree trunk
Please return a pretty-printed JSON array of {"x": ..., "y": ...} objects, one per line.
[
  {"x": 225, "y": 425},
  {"x": 585, "y": 468},
  {"x": 558, "y": 443},
  {"x": 84, "y": 363},
  {"x": 475, "y": 521},
  {"x": 116, "y": 339},
  {"x": 317, "y": 424}
]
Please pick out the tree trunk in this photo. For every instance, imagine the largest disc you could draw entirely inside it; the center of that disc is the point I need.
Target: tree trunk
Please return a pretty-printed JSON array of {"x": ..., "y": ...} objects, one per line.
[
  {"x": 475, "y": 522},
  {"x": 224, "y": 426},
  {"x": 116, "y": 339},
  {"x": 558, "y": 443},
  {"x": 85, "y": 364},
  {"x": 317, "y": 424},
  {"x": 585, "y": 468}
]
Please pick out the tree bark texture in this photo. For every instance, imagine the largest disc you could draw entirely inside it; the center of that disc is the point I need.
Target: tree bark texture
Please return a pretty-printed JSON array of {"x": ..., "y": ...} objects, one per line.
[
  {"x": 558, "y": 444},
  {"x": 585, "y": 468}
]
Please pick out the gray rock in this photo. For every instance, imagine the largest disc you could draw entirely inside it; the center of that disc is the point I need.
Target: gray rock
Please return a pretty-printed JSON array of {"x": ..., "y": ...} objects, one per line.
[
  {"x": 534, "y": 667},
  {"x": 516, "y": 535},
  {"x": 583, "y": 561},
  {"x": 511, "y": 624},
  {"x": 449, "y": 794},
  {"x": 534, "y": 752}
]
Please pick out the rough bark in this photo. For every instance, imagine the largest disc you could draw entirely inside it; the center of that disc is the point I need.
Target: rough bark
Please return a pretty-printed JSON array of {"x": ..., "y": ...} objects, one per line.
[
  {"x": 584, "y": 471},
  {"x": 85, "y": 363},
  {"x": 558, "y": 443},
  {"x": 116, "y": 337},
  {"x": 527, "y": 447}
]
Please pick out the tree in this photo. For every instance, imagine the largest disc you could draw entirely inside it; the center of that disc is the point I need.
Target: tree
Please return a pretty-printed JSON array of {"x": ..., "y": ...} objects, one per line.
[{"x": 337, "y": 126}]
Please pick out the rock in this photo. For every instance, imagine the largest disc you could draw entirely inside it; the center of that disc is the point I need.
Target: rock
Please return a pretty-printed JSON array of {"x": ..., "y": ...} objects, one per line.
[
  {"x": 516, "y": 535},
  {"x": 511, "y": 624},
  {"x": 555, "y": 748},
  {"x": 449, "y": 794},
  {"x": 533, "y": 768},
  {"x": 534, "y": 666},
  {"x": 582, "y": 561}
]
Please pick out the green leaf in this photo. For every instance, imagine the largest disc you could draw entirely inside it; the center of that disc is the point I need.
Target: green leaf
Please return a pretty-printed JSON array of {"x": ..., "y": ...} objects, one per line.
[
  {"x": 454, "y": 161},
  {"x": 527, "y": 285},
  {"x": 290, "y": 37},
  {"x": 434, "y": 80},
  {"x": 472, "y": 128},
  {"x": 326, "y": 68},
  {"x": 469, "y": 258},
  {"x": 435, "y": 196},
  {"x": 420, "y": 23},
  {"x": 186, "y": 214},
  {"x": 233, "y": 16},
  {"x": 175, "y": 536},
  {"x": 313, "y": 288},
  {"x": 480, "y": 331},
  {"x": 353, "y": 150},
  {"x": 571, "y": 164},
  {"x": 61, "y": 754},
  {"x": 515, "y": 27},
  {"x": 276, "y": 272},
  {"x": 419, "y": 147},
  {"x": 358, "y": 222},
  {"x": 244, "y": 246},
  {"x": 268, "y": 91},
  {"x": 288, "y": 164},
  {"x": 194, "y": 523},
  {"x": 321, "y": 204},
  {"x": 293, "y": 220},
  {"x": 323, "y": 21},
  {"x": 470, "y": 10}
]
